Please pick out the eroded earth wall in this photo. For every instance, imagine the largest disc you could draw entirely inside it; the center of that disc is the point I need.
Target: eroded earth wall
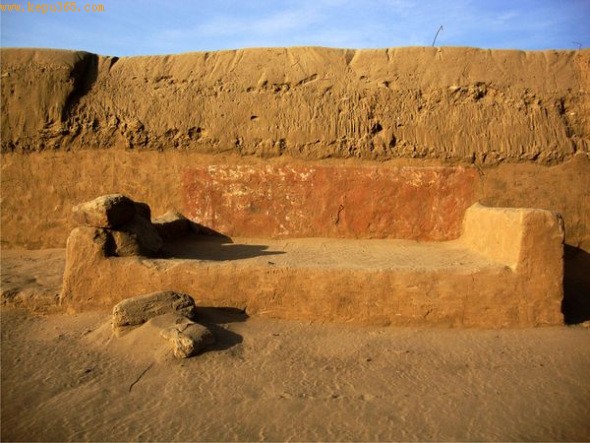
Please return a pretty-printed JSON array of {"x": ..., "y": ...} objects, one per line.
[
  {"x": 76, "y": 125},
  {"x": 312, "y": 103}
]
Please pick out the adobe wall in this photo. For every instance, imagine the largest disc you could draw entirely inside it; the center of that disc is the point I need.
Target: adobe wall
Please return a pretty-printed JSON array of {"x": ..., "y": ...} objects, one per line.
[
  {"x": 39, "y": 189},
  {"x": 454, "y": 104},
  {"x": 76, "y": 125}
]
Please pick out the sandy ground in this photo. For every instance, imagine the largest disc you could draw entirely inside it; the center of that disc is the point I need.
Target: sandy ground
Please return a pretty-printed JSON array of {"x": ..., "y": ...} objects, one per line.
[{"x": 65, "y": 377}]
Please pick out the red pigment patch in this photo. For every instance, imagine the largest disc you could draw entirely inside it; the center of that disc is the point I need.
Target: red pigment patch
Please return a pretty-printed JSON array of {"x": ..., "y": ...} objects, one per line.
[{"x": 328, "y": 201}]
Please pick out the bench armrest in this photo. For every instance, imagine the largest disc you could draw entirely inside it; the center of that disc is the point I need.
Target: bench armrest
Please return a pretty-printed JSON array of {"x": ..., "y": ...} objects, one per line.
[{"x": 526, "y": 240}]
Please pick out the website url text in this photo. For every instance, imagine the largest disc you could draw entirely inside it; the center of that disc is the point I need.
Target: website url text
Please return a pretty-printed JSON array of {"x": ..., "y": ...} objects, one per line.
[{"x": 44, "y": 8}]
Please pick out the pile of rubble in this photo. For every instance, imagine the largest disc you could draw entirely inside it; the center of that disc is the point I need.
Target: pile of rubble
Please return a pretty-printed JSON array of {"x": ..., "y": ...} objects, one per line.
[{"x": 129, "y": 227}]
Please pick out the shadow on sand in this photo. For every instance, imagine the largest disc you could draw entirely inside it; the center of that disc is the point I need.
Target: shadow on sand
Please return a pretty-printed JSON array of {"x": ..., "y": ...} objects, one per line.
[
  {"x": 576, "y": 286},
  {"x": 216, "y": 319},
  {"x": 214, "y": 248}
]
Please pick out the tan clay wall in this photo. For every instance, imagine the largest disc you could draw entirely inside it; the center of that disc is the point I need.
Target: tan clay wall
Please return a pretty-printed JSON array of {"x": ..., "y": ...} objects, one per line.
[
  {"x": 76, "y": 125},
  {"x": 39, "y": 189},
  {"x": 453, "y": 104}
]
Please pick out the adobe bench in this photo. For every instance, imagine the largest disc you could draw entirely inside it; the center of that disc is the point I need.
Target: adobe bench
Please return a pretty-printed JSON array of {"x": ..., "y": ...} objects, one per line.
[{"x": 505, "y": 269}]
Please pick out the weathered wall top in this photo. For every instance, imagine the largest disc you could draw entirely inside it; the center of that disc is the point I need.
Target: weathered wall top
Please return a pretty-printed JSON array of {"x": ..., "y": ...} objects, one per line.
[{"x": 455, "y": 104}]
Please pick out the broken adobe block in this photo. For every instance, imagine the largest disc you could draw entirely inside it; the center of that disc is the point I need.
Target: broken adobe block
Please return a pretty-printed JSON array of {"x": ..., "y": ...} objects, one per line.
[
  {"x": 137, "y": 310},
  {"x": 106, "y": 211}
]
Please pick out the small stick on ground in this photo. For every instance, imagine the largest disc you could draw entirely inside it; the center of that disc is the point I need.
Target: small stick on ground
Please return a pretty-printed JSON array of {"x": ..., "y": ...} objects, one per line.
[{"x": 140, "y": 375}]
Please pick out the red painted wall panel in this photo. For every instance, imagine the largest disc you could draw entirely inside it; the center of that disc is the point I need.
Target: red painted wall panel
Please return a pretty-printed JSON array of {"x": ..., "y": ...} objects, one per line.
[{"x": 425, "y": 203}]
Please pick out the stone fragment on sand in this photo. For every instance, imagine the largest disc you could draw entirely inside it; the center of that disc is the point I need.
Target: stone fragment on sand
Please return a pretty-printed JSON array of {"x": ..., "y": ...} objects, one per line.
[
  {"x": 106, "y": 211},
  {"x": 172, "y": 225},
  {"x": 137, "y": 237},
  {"x": 137, "y": 310},
  {"x": 188, "y": 339}
]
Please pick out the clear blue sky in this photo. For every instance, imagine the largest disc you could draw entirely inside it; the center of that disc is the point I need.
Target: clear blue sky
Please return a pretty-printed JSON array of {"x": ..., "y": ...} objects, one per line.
[{"x": 133, "y": 27}]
